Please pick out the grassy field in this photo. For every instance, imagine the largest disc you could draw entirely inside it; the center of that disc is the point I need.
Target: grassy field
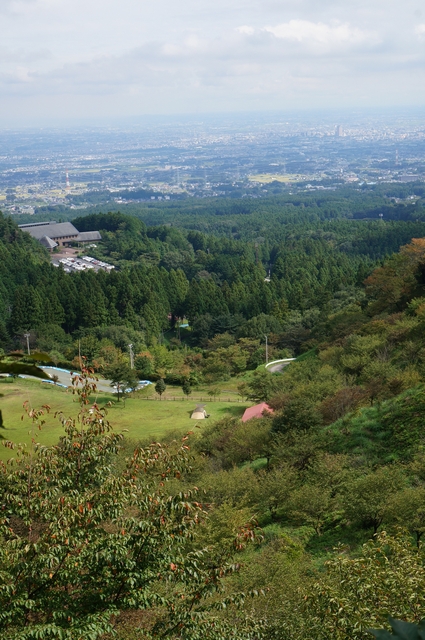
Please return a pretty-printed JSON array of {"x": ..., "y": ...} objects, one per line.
[
  {"x": 142, "y": 416},
  {"x": 276, "y": 177}
]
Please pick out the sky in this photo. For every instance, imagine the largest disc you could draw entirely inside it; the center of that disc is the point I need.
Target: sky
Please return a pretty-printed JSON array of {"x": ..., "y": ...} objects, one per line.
[{"x": 64, "y": 60}]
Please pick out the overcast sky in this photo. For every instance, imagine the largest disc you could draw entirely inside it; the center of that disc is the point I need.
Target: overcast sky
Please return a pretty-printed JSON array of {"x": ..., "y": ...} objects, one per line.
[{"x": 69, "y": 59}]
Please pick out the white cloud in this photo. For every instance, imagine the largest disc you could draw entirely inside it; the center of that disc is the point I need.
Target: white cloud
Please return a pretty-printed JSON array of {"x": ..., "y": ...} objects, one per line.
[
  {"x": 328, "y": 36},
  {"x": 420, "y": 30},
  {"x": 14, "y": 6},
  {"x": 23, "y": 74},
  {"x": 193, "y": 45},
  {"x": 249, "y": 31},
  {"x": 194, "y": 55},
  {"x": 22, "y": 55}
]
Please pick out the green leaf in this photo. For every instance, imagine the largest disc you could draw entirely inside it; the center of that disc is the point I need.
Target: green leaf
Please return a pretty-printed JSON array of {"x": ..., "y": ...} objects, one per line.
[
  {"x": 380, "y": 634},
  {"x": 404, "y": 630},
  {"x": 19, "y": 369},
  {"x": 39, "y": 356}
]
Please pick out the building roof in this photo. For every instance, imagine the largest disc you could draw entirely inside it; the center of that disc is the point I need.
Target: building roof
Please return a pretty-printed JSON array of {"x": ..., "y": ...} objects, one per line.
[
  {"x": 35, "y": 224},
  {"x": 256, "y": 411},
  {"x": 48, "y": 242},
  {"x": 88, "y": 236},
  {"x": 52, "y": 230}
]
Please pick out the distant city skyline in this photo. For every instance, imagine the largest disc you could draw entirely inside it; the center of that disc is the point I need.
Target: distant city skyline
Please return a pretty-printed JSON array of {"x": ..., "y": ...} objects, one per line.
[
  {"x": 64, "y": 62},
  {"x": 216, "y": 156}
]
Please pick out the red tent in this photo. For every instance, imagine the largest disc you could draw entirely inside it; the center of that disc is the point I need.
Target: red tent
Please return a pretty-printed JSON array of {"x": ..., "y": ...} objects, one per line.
[{"x": 256, "y": 411}]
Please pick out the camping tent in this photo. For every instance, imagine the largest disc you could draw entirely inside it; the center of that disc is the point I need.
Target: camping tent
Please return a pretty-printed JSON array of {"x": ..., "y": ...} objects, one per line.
[
  {"x": 257, "y": 411},
  {"x": 199, "y": 412}
]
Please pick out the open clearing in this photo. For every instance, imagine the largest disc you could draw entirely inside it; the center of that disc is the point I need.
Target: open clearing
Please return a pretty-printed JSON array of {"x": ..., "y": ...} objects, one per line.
[
  {"x": 142, "y": 417},
  {"x": 276, "y": 177}
]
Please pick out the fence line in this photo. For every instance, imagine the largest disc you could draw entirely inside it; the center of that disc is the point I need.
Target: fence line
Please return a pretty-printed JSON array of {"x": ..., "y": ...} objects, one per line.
[{"x": 179, "y": 398}]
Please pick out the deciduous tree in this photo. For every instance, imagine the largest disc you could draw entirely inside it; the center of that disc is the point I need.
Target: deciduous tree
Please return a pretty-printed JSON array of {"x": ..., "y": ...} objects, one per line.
[
  {"x": 81, "y": 542},
  {"x": 160, "y": 387}
]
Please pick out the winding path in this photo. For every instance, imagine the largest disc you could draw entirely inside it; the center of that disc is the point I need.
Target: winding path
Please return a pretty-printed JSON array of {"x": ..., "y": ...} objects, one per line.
[
  {"x": 64, "y": 377},
  {"x": 278, "y": 365}
]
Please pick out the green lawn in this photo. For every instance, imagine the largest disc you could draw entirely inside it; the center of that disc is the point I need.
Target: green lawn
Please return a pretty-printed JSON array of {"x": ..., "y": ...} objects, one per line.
[
  {"x": 228, "y": 391},
  {"x": 142, "y": 417}
]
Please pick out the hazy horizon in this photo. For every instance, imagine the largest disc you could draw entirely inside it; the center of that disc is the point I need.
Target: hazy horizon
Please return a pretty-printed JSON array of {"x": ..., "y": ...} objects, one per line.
[
  {"x": 94, "y": 60},
  {"x": 408, "y": 115}
]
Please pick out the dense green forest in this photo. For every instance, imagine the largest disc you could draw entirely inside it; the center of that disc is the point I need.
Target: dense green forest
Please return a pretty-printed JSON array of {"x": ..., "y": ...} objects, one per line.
[
  {"x": 394, "y": 201},
  {"x": 306, "y": 524},
  {"x": 210, "y": 263}
]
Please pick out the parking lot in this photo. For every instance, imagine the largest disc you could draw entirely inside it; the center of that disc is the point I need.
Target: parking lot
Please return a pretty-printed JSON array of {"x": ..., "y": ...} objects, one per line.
[{"x": 70, "y": 263}]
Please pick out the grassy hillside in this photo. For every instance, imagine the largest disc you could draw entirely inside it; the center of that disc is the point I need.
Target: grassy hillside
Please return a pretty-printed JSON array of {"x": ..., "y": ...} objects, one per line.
[
  {"x": 141, "y": 416},
  {"x": 391, "y": 430}
]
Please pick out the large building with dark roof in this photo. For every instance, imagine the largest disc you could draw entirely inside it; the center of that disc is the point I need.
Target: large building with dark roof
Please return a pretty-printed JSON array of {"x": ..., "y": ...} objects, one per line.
[
  {"x": 89, "y": 236},
  {"x": 52, "y": 234}
]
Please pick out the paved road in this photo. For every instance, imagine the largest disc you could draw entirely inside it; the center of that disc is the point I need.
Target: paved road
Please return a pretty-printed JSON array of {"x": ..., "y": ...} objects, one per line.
[
  {"x": 275, "y": 368},
  {"x": 278, "y": 365},
  {"x": 65, "y": 378}
]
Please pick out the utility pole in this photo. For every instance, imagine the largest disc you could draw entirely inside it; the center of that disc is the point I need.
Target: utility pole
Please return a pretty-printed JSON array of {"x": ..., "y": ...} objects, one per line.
[
  {"x": 130, "y": 346},
  {"x": 27, "y": 336},
  {"x": 267, "y": 349}
]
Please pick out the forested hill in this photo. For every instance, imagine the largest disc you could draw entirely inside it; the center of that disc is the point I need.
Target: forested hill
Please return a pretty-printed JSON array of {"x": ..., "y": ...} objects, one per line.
[
  {"x": 340, "y": 459},
  {"x": 248, "y": 215},
  {"x": 335, "y": 476},
  {"x": 301, "y": 261},
  {"x": 265, "y": 230},
  {"x": 22, "y": 261},
  {"x": 341, "y": 494}
]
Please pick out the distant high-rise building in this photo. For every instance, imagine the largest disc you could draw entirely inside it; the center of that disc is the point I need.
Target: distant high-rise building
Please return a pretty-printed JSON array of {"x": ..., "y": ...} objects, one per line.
[{"x": 339, "y": 131}]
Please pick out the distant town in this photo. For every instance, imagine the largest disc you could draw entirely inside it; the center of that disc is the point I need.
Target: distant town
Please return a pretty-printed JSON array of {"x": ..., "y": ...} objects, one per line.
[{"x": 221, "y": 157}]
